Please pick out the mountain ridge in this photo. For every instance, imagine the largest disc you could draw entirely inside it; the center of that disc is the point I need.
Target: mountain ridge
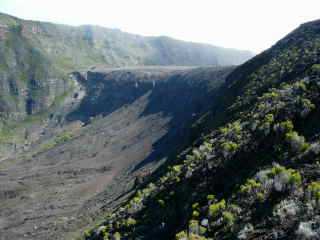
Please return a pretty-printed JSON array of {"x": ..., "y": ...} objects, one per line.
[{"x": 36, "y": 59}]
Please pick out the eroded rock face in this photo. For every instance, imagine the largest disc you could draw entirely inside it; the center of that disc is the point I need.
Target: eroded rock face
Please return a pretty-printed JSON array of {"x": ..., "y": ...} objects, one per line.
[
  {"x": 174, "y": 91},
  {"x": 35, "y": 58},
  {"x": 114, "y": 123}
]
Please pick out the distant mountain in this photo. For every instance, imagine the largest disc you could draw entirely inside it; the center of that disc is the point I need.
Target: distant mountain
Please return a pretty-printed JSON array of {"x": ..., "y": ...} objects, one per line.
[
  {"x": 36, "y": 57},
  {"x": 255, "y": 174}
]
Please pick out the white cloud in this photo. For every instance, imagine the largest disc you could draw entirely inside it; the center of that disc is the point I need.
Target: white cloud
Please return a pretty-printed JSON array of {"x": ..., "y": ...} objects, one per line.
[{"x": 245, "y": 24}]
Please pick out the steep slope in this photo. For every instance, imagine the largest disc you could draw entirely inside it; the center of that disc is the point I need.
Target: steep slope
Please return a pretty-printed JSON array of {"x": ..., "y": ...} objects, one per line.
[
  {"x": 119, "y": 126},
  {"x": 36, "y": 58},
  {"x": 256, "y": 174}
]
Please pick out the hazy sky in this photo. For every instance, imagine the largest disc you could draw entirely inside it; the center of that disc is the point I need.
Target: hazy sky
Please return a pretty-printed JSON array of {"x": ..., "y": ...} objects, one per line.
[{"x": 244, "y": 24}]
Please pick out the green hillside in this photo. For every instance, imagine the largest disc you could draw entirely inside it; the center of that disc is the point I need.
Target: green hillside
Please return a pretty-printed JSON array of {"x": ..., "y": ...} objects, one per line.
[
  {"x": 256, "y": 174},
  {"x": 36, "y": 51},
  {"x": 36, "y": 59}
]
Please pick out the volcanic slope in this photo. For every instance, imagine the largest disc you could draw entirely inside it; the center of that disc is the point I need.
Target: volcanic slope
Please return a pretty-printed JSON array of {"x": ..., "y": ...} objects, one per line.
[
  {"x": 256, "y": 174},
  {"x": 118, "y": 125}
]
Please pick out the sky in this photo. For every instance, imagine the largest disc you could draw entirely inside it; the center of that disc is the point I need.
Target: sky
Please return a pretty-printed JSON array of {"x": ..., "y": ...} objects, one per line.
[{"x": 253, "y": 25}]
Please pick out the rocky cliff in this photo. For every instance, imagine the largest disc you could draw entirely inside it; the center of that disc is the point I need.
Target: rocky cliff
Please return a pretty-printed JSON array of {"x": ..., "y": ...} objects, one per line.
[{"x": 36, "y": 58}]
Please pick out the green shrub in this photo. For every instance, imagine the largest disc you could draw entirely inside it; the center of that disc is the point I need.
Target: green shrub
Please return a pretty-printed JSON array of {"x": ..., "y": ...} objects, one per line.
[
  {"x": 195, "y": 205},
  {"x": 316, "y": 68},
  {"x": 63, "y": 137},
  {"x": 117, "y": 236},
  {"x": 137, "y": 199},
  {"x": 269, "y": 118},
  {"x": 161, "y": 203},
  {"x": 196, "y": 237},
  {"x": 194, "y": 226},
  {"x": 250, "y": 186},
  {"x": 286, "y": 126},
  {"x": 216, "y": 208},
  {"x": 300, "y": 86},
  {"x": 177, "y": 169},
  {"x": 314, "y": 190},
  {"x": 307, "y": 106},
  {"x": 229, "y": 147},
  {"x": 197, "y": 154},
  {"x": 294, "y": 177},
  {"x": 296, "y": 142},
  {"x": 234, "y": 128},
  {"x": 131, "y": 222},
  {"x": 228, "y": 218},
  {"x": 211, "y": 197},
  {"x": 181, "y": 235},
  {"x": 276, "y": 170},
  {"x": 261, "y": 196},
  {"x": 202, "y": 230},
  {"x": 195, "y": 214},
  {"x": 270, "y": 95},
  {"x": 87, "y": 234}
]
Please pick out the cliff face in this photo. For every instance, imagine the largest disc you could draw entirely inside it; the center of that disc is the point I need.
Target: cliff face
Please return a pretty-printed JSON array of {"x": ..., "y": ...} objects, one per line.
[
  {"x": 27, "y": 80},
  {"x": 173, "y": 91},
  {"x": 36, "y": 57}
]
